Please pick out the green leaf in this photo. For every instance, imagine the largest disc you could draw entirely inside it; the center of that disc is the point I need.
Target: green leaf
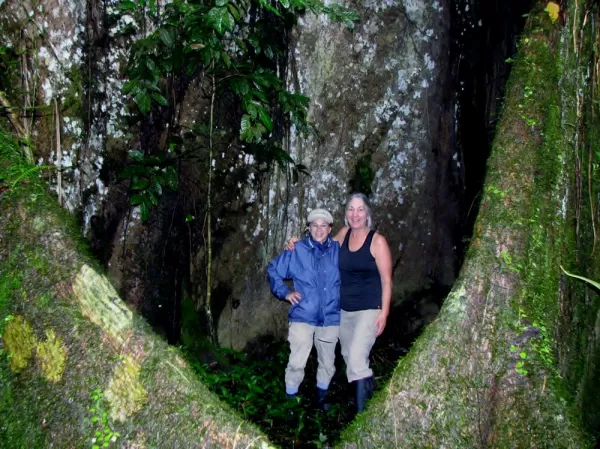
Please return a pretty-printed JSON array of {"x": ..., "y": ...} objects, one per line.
[
  {"x": 220, "y": 2},
  {"x": 523, "y": 355},
  {"x": 125, "y": 5},
  {"x": 265, "y": 118},
  {"x": 206, "y": 56},
  {"x": 246, "y": 128},
  {"x": 226, "y": 59},
  {"x": 285, "y": 3},
  {"x": 260, "y": 95},
  {"x": 239, "y": 85},
  {"x": 136, "y": 155},
  {"x": 159, "y": 99},
  {"x": 152, "y": 197},
  {"x": 171, "y": 178},
  {"x": 268, "y": 51},
  {"x": 242, "y": 44},
  {"x": 144, "y": 102},
  {"x": 235, "y": 12},
  {"x": 156, "y": 187},
  {"x": 252, "y": 109},
  {"x": 166, "y": 37},
  {"x": 220, "y": 19},
  {"x": 150, "y": 64},
  {"x": 254, "y": 40},
  {"x": 136, "y": 199},
  {"x": 349, "y": 24},
  {"x": 138, "y": 183},
  {"x": 258, "y": 131},
  {"x": 267, "y": 5},
  {"x": 260, "y": 81},
  {"x": 145, "y": 207},
  {"x": 129, "y": 86}
]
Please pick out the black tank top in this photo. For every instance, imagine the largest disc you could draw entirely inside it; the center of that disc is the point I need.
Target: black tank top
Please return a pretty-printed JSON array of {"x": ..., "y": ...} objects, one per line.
[{"x": 361, "y": 283}]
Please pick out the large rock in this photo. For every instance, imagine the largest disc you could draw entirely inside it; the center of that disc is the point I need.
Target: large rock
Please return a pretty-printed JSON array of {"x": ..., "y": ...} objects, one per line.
[
  {"x": 384, "y": 115},
  {"x": 385, "y": 121}
]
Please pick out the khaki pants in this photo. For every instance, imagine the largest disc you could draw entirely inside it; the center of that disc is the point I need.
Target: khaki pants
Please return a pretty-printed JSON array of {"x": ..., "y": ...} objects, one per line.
[
  {"x": 301, "y": 337},
  {"x": 357, "y": 336}
]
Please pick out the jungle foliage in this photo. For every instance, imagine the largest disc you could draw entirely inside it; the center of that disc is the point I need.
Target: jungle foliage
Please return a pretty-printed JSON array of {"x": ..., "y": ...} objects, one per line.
[{"x": 236, "y": 51}]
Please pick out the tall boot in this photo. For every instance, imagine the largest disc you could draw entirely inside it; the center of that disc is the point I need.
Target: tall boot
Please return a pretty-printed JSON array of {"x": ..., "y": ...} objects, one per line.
[
  {"x": 321, "y": 395},
  {"x": 364, "y": 391},
  {"x": 351, "y": 392}
]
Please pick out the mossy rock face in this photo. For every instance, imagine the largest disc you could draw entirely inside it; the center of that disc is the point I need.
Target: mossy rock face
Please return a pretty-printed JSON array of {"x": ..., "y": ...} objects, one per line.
[
  {"x": 19, "y": 341},
  {"x": 125, "y": 392},
  {"x": 52, "y": 355}
]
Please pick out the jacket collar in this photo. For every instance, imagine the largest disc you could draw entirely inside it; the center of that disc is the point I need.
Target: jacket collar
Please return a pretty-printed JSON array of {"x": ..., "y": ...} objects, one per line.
[{"x": 314, "y": 244}]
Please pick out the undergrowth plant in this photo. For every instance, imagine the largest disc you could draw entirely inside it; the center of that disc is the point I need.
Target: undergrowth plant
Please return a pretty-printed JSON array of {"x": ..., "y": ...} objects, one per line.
[
  {"x": 255, "y": 387},
  {"x": 104, "y": 435}
]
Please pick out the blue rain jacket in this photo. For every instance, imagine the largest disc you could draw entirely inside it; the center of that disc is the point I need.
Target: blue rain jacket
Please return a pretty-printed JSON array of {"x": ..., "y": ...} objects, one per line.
[{"x": 314, "y": 269}]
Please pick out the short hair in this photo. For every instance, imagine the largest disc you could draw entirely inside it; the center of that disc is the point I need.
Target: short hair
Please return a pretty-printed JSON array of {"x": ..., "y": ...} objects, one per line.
[{"x": 364, "y": 199}]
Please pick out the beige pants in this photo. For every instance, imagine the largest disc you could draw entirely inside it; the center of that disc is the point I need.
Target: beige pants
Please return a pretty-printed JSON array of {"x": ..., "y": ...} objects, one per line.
[
  {"x": 357, "y": 336},
  {"x": 301, "y": 337}
]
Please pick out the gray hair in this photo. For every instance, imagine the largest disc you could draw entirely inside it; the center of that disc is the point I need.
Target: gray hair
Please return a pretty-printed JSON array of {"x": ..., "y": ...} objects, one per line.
[{"x": 364, "y": 199}]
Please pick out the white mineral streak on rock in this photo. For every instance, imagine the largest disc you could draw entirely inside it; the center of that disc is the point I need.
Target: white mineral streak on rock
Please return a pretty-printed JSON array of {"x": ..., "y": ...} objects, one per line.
[{"x": 358, "y": 87}]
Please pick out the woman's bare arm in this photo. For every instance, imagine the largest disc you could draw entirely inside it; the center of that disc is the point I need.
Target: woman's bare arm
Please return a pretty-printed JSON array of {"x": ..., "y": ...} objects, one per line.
[
  {"x": 383, "y": 258},
  {"x": 341, "y": 235}
]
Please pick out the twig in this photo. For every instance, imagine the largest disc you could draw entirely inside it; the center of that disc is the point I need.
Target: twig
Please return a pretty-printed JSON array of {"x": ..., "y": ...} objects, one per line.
[
  {"x": 209, "y": 267},
  {"x": 177, "y": 369},
  {"x": 58, "y": 155}
]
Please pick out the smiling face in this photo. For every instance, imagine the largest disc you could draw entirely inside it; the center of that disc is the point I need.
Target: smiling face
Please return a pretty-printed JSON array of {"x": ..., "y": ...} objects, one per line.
[
  {"x": 357, "y": 214},
  {"x": 319, "y": 230}
]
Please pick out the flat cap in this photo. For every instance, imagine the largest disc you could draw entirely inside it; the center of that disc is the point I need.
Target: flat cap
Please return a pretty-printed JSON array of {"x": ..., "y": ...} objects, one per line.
[{"x": 319, "y": 213}]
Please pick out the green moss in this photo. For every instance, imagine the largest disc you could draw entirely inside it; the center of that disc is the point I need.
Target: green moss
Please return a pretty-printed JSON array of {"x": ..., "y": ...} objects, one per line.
[
  {"x": 52, "y": 355},
  {"x": 19, "y": 341},
  {"x": 125, "y": 394}
]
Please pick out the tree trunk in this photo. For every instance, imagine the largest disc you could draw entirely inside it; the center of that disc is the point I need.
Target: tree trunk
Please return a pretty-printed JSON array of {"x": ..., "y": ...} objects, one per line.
[
  {"x": 512, "y": 359},
  {"x": 76, "y": 352}
]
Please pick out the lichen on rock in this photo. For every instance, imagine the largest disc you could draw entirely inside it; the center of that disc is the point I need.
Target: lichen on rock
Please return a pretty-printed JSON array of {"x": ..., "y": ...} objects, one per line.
[
  {"x": 100, "y": 302},
  {"x": 125, "y": 394},
  {"x": 52, "y": 355},
  {"x": 19, "y": 341}
]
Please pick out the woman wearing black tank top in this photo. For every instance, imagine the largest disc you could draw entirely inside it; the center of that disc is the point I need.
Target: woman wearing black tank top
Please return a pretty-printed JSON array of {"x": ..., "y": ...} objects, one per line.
[
  {"x": 366, "y": 273},
  {"x": 365, "y": 264}
]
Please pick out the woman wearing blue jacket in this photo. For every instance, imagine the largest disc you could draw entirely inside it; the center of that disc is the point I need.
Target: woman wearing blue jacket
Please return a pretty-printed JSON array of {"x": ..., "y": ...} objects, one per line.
[{"x": 315, "y": 312}]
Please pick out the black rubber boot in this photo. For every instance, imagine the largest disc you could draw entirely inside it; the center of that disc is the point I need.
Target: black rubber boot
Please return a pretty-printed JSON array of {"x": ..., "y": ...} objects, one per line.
[
  {"x": 351, "y": 394},
  {"x": 364, "y": 391},
  {"x": 321, "y": 395}
]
